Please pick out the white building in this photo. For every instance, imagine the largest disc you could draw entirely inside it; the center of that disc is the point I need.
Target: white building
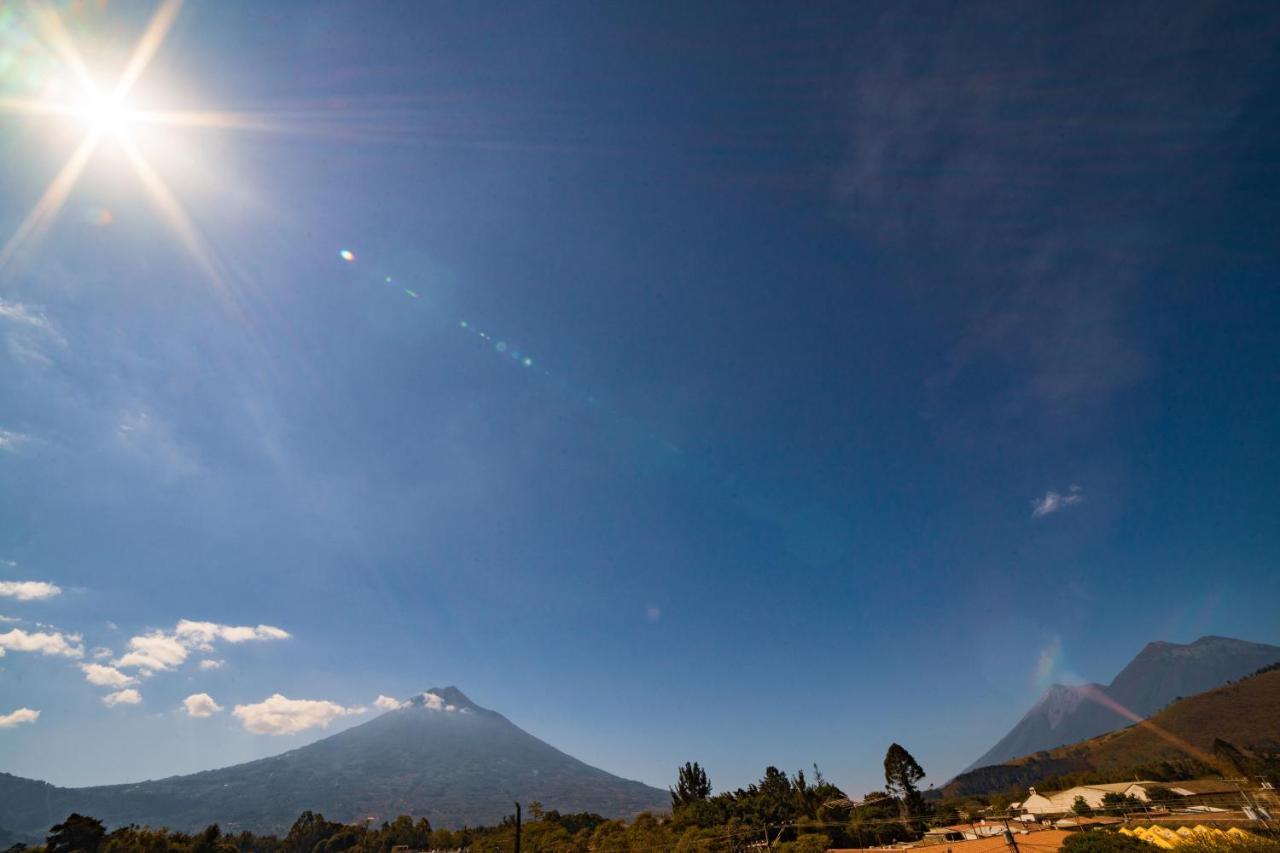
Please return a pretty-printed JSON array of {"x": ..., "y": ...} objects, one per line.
[{"x": 1060, "y": 803}]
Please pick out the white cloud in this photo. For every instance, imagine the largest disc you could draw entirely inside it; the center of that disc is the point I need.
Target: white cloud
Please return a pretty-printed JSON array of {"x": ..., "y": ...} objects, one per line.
[
  {"x": 10, "y": 440},
  {"x": 201, "y": 705},
  {"x": 22, "y": 715},
  {"x": 106, "y": 676},
  {"x": 122, "y": 697},
  {"x": 387, "y": 703},
  {"x": 208, "y": 664},
  {"x": 202, "y": 634},
  {"x": 57, "y": 643},
  {"x": 160, "y": 650},
  {"x": 101, "y": 652},
  {"x": 432, "y": 702},
  {"x": 155, "y": 651},
  {"x": 279, "y": 715},
  {"x": 27, "y": 590},
  {"x": 1054, "y": 501},
  {"x": 9, "y": 619}
]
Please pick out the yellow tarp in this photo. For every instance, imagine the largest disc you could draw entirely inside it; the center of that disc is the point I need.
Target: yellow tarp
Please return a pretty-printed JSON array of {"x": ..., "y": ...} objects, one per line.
[{"x": 1166, "y": 838}]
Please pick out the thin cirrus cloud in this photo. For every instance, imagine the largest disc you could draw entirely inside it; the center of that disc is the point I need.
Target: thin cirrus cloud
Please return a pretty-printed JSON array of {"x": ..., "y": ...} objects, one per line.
[
  {"x": 128, "y": 696},
  {"x": 209, "y": 663},
  {"x": 28, "y": 590},
  {"x": 201, "y": 705},
  {"x": 280, "y": 715},
  {"x": 10, "y": 440},
  {"x": 22, "y": 715},
  {"x": 46, "y": 643},
  {"x": 29, "y": 332},
  {"x": 106, "y": 676},
  {"x": 1056, "y": 501},
  {"x": 158, "y": 651}
]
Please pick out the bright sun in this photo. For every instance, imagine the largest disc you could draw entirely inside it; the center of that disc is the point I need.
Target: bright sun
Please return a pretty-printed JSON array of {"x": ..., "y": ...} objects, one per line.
[{"x": 107, "y": 114}]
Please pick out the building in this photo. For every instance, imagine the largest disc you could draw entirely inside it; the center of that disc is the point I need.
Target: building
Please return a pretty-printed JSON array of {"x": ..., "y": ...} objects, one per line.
[{"x": 1061, "y": 802}]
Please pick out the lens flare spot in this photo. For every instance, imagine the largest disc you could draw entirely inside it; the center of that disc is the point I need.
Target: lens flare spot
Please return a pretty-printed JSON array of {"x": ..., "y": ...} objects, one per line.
[
  {"x": 500, "y": 346},
  {"x": 528, "y": 362},
  {"x": 411, "y": 293},
  {"x": 347, "y": 255},
  {"x": 462, "y": 323}
]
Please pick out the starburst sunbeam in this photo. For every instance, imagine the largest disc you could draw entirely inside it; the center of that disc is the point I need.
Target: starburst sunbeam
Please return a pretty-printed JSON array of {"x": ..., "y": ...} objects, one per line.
[{"x": 54, "y": 195}]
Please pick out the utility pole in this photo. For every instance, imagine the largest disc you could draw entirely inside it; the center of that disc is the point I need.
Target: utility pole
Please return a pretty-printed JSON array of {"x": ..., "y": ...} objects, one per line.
[
  {"x": 1010, "y": 840},
  {"x": 517, "y": 849}
]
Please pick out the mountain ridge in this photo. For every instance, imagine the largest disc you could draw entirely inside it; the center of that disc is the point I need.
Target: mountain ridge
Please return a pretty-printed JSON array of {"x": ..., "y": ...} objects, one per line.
[
  {"x": 1161, "y": 672},
  {"x": 438, "y": 755},
  {"x": 1211, "y": 733}
]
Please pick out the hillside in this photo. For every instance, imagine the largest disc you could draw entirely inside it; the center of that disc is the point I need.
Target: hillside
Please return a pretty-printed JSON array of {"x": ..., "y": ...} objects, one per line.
[
  {"x": 439, "y": 756},
  {"x": 1160, "y": 673},
  {"x": 1180, "y": 740}
]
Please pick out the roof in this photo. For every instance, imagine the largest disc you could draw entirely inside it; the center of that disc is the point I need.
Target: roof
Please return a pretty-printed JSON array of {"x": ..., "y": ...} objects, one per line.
[
  {"x": 1117, "y": 787},
  {"x": 1044, "y": 841},
  {"x": 1202, "y": 786}
]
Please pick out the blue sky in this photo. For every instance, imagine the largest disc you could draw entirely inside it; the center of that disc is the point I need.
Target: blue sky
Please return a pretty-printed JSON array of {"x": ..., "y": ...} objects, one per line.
[{"x": 867, "y": 357}]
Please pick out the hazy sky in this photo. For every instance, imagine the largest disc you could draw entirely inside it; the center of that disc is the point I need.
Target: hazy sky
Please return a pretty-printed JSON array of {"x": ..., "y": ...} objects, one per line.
[{"x": 748, "y": 384}]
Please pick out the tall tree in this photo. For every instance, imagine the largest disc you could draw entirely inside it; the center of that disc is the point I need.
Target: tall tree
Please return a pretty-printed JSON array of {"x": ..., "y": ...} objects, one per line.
[
  {"x": 692, "y": 786},
  {"x": 901, "y": 773},
  {"x": 76, "y": 834}
]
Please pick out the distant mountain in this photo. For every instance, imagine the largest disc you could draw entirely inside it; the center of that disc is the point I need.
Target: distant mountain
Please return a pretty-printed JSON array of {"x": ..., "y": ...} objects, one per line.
[
  {"x": 1232, "y": 730},
  {"x": 1159, "y": 674},
  {"x": 439, "y": 756}
]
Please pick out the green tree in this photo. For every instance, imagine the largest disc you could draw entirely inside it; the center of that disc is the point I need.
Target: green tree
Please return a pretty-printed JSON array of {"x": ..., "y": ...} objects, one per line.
[
  {"x": 692, "y": 786},
  {"x": 76, "y": 834},
  {"x": 309, "y": 831},
  {"x": 1081, "y": 807},
  {"x": 811, "y": 843},
  {"x": 901, "y": 775}
]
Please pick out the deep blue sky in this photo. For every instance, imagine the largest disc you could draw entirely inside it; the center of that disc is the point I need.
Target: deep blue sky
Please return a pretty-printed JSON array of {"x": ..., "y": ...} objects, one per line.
[{"x": 818, "y": 300}]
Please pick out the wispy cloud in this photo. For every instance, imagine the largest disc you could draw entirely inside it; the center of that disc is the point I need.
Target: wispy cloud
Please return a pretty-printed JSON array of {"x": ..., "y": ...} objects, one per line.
[
  {"x": 21, "y": 314},
  {"x": 10, "y": 440},
  {"x": 279, "y": 715},
  {"x": 28, "y": 590},
  {"x": 128, "y": 696},
  {"x": 158, "y": 651},
  {"x": 29, "y": 330},
  {"x": 22, "y": 715},
  {"x": 201, "y": 705},
  {"x": 1054, "y": 501},
  {"x": 52, "y": 643},
  {"x": 106, "y": 676},
  {"x": 388, "y": 703},
  {"x": 210, "y": 663}
]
